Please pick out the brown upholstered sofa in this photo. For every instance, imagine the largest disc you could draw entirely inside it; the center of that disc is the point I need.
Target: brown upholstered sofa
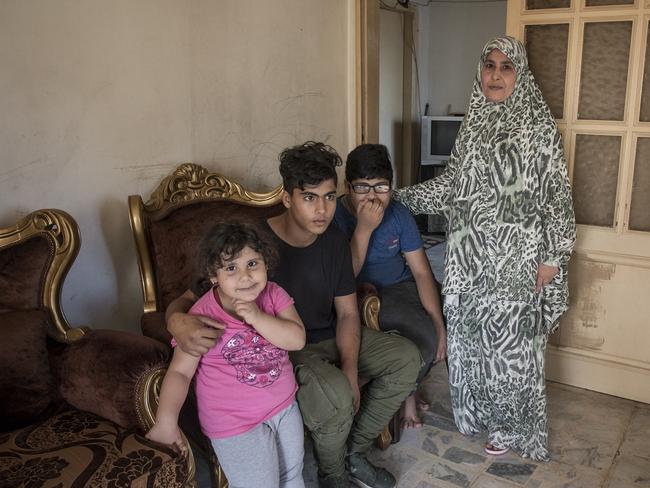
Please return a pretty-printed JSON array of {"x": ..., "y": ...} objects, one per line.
[
  {"x": 74, "y": 402},
  {"x": 167, "y": 229}
]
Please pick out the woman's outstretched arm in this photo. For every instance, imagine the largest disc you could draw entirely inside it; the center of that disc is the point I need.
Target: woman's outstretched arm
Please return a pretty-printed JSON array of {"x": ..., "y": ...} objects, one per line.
[{"x": 432, "y": 196}]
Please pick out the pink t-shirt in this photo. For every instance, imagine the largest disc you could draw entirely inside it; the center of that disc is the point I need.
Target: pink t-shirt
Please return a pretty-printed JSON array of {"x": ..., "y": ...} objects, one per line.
[{"x": 244, "y": 379}]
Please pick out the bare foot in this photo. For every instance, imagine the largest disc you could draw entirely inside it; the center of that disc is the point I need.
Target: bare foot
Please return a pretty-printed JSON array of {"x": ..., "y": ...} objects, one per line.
[
  {"x": 410, "y": 419},
  {"x": 421, "y": 404}
]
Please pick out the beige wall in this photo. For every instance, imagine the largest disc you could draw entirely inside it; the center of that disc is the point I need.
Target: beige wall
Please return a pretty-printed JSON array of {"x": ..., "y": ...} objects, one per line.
[
  {"x": 391, "y": 72},
  {"x": 99, "y": 100},
  {"x": 283, "y": 70}
]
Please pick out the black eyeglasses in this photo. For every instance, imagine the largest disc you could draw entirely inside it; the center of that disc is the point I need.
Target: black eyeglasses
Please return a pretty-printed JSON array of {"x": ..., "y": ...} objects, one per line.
[{"x": 365, "y": 187}]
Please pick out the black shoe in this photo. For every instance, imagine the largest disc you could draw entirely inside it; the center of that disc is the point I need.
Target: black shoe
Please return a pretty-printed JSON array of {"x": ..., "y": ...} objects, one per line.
[
  {"x": 341, "y": 481},
  {"x": 366, "y": 475}
]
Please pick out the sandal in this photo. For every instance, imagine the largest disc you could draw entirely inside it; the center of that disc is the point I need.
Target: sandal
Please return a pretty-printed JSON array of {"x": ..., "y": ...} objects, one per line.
[{"x": 495, "y": 451}]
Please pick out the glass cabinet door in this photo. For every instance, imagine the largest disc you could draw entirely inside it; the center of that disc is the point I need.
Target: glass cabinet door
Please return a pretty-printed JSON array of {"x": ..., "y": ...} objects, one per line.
[
  {"x": 541, "y": 4},
  {"x": 604, "y": 67},
  {"x": 546, "y": 45},
  {"x": 595, "y": 179},
  {"x": 583, "y": 67},
  {"x": 645, "y": 90},
  {"x": 640, "y": 202}
]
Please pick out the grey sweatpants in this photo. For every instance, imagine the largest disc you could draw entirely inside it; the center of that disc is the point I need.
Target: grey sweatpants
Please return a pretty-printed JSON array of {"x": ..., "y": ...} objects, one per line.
[{"x": 269, "y": 455}]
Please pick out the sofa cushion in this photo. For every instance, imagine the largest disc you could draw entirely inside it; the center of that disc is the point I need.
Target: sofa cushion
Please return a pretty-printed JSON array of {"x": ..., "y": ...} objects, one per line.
[
  {"x": 103, "y": 373},
  {"x": 26, "y": 385},
  {"x": 153, "y": 325},
  {"x": 22, "y": 269},
  {"x": 74, "y": 448}
]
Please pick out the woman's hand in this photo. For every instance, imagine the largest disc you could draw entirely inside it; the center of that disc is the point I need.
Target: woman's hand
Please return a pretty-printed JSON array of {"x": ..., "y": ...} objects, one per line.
[
  {"x": 170, "y": 435},
  {"x": 441, "y": 351},
  {"x": 545, "y": 275}
]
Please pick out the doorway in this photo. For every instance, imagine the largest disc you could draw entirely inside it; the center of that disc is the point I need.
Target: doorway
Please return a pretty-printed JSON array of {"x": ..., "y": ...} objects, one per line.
[{"x": 386, "y": 79}]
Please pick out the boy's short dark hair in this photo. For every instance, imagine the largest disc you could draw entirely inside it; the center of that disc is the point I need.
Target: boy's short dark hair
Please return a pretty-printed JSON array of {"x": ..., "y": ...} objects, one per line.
[
  {"x": 310, "y": 163},
  {"x": 227, "y": 239},
  {"x": 369, "y": 161}
]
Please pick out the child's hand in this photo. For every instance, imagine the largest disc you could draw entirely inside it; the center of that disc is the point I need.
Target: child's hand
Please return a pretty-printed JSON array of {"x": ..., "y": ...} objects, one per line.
[
  {"x": 369, "y": 214},
  {"x": 168, "y": 435},
  {"x": 247, "y": 310}
]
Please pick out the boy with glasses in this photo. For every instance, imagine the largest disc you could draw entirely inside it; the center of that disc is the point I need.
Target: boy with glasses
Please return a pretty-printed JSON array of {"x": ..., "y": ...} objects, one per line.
[{"x": 387, "y": 253}]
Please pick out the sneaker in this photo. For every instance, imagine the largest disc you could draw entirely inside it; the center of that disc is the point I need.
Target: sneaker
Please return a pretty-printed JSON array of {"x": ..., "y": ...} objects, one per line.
[
  {"x": 365, "y": 475},
  {"x": 331, "y": 481}
]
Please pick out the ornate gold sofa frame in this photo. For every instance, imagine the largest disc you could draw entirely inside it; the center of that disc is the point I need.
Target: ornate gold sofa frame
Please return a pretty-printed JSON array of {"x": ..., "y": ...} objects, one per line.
[
  {"x": 104, "y": 383},
  {"x": 169, "y": 225}
]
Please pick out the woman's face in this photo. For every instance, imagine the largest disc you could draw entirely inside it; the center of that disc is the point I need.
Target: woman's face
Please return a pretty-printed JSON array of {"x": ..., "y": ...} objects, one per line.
[{"x": 498, "y": 76}]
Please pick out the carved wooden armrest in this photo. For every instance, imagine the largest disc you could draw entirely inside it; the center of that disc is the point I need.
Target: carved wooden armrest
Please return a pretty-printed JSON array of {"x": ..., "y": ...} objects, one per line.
[
  {"x": 369, "y": 305},
  {"x": 370, "y": 311}
]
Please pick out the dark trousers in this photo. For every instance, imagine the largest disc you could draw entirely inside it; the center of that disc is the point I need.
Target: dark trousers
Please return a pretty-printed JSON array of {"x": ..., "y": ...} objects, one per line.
[{"x": 402, "y": 311}]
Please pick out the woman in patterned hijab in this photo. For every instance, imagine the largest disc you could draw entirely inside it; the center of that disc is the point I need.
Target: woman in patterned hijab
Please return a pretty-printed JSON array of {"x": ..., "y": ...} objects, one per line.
[{"x": 511, "y": 230}]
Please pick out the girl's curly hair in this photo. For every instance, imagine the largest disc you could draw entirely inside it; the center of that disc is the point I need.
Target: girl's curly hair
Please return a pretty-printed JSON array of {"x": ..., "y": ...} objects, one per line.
[{"x": 227, "y": 239}]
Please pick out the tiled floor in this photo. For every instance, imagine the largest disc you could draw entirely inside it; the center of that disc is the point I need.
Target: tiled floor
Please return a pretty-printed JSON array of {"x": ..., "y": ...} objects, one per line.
[{"x": 595, "y": 440}]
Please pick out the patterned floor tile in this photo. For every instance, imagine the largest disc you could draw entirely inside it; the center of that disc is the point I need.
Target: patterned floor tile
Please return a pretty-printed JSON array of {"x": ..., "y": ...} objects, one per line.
[
  {"x": 517, "y": 471},
  {"x": 632, "y": 470},
  {"x": 461, "y": 456},
  {"x": 586, "y": 430},
  {"x": 487, "y": 481},
  {"x": 397, "y": 459},
  {"x": 453, "y": 475},
  {"x": 559, "y": 475},
  {"x": 637, "y": 436}
]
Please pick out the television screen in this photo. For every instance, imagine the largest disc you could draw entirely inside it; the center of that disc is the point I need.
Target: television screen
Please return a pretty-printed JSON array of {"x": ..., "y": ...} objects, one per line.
[
  {"x": 438, "y": 137},
  {"x": 443, "y": 135}
]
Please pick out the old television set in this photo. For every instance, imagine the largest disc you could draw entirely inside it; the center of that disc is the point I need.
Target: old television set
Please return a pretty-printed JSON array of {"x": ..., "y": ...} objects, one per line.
[{"x": 438, "y": 136}]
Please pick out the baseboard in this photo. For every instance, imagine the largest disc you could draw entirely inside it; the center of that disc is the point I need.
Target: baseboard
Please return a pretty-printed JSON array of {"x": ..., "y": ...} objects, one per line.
[{"x": 598, "y": 372}]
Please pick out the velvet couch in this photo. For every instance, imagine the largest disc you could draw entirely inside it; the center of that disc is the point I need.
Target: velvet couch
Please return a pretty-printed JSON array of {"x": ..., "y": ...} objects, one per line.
[{"x": 74, "y": 402}]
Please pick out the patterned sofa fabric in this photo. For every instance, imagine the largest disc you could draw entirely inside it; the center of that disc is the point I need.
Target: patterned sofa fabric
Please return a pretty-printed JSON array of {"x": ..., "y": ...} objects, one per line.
[
  {"x": 76, "y": 401},
  {"x": 26, "y": 385},
  {"x": 76, "y": 449}
]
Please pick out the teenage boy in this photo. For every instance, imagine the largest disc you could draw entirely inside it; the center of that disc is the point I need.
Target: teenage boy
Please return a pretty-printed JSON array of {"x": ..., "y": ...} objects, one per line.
[
  {"x": 387, "y": 252},
  {"x": 315, "y": 268}
]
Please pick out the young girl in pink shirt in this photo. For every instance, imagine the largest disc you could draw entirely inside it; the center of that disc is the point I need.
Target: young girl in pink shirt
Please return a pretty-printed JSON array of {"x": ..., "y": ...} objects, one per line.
[{"x": 245, "y": 387}]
